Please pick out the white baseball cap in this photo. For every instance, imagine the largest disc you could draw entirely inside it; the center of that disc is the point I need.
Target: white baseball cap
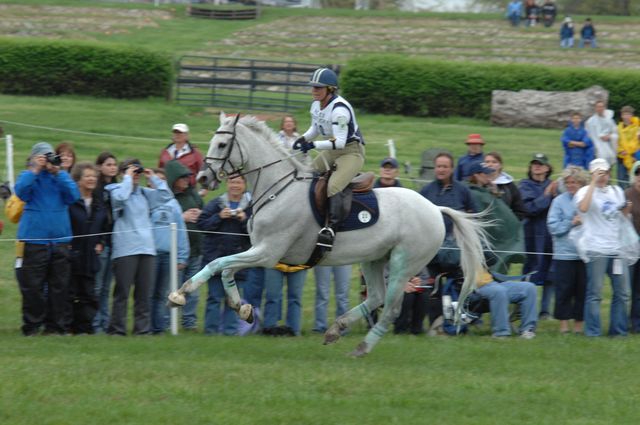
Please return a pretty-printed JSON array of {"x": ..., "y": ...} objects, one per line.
[
  {"x": 599, "y": 164},
  {"x": 182, "y": 128}
]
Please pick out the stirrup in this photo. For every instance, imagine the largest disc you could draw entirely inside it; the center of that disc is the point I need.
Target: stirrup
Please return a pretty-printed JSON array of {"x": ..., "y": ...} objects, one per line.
[{"x": 326, "y": 236}]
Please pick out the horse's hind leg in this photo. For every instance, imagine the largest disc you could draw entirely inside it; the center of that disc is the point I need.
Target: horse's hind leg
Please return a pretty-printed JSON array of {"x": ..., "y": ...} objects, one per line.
[
  {"x": 374, "y": 278},
  {"x": 245, "y": 311},
  {"x": 398, "y": 277}
]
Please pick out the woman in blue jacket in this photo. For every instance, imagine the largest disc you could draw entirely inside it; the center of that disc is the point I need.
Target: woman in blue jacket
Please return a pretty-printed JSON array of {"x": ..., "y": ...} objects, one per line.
[{"x": 537, "y": 193}]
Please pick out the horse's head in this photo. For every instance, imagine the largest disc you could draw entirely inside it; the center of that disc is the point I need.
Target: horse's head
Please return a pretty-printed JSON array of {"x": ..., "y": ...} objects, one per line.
[{"x": 225, "y": 156}]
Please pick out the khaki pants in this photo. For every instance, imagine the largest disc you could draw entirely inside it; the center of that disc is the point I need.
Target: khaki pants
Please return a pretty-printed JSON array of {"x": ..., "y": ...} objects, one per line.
[{"x": 348, "y": 161}]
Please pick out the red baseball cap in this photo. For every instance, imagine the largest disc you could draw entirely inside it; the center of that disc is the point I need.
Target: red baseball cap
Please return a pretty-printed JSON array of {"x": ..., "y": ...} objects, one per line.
[{"x": 474, "y": 139}]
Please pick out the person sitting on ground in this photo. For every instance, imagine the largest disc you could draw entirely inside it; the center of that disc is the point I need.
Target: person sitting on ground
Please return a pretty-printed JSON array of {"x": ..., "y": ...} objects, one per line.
[
  {"x": 570, "y": 273},
  {"x": 506, "y": 189},
  {"x": 500, "y": 295},
  {"x": 578, "y": 147},
  {"x": 588, "y": 34},
  {"x": 549, "y": 12},
  {"x": 414, "y": 305},
  {"x": 628, "y": 143},
  {"x": 388, "y": 174},
  {"x": 514, "y": 12},
  {"x": 567, "y": 33}
]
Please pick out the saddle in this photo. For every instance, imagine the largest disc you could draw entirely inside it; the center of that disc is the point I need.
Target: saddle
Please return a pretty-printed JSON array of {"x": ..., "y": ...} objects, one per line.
[{"x": 362, "y": 183}]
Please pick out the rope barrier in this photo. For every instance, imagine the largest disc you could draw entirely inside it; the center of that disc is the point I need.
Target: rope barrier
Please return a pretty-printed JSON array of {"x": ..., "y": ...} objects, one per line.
[{"x": 247, "y": 235}]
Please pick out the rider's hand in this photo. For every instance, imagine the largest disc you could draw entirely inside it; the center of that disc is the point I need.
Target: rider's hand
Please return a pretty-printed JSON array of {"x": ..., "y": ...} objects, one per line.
[
  {"x": 297, "y": 145},
  {"x": 306, "y": 146}
]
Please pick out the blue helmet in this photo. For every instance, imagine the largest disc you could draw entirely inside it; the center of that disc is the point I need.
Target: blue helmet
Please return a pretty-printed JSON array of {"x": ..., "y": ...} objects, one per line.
[{"x": 324, "y": 77}]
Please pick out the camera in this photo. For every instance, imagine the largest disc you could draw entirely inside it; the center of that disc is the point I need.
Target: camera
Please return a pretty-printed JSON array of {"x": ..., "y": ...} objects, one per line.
[
  {"x": 139, "y": 169},
  {"x": 233, "y": 213},
  {"x": 53, "y": 159}
]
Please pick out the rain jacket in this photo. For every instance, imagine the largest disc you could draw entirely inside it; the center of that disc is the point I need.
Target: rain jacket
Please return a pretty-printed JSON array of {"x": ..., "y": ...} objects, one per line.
[
  {"x": 559, "y": 220},
  {"x": 46, "y": 211},
  {"x": 187, "y": 200},
  {"x": 575, "y": 155},
  {"x": 192, "y": 160},
  {"x": 628, "y": 141},
  {"x": 83, "y": 257}
]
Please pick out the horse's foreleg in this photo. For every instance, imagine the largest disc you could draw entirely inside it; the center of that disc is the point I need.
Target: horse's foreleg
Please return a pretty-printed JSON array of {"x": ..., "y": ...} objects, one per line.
[{"x": 374, "y": 279}]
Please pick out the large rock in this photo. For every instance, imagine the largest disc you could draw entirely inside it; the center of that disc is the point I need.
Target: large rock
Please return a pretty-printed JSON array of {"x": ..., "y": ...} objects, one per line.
[{"x": 546, "y": 109}]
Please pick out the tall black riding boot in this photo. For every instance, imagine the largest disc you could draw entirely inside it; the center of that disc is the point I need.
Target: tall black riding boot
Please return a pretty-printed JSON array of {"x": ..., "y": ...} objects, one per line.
[{"x": 339, "y": 207}]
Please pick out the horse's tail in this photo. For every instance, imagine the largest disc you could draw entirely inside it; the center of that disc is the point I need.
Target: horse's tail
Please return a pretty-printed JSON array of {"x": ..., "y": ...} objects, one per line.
[{"x": 471, "y": 237}]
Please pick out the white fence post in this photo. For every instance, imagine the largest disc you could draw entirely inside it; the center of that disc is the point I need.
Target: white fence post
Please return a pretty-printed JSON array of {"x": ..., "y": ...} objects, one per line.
[
  {"x": 10, "y": 176},
  {"x": 173, "y": 258},
  {"x": 392, "y": 148}
]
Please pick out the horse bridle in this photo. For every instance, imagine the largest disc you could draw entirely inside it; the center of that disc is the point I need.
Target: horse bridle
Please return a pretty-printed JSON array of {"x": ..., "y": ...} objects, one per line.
[
  {"x": 222, "y": 173},
  {"x": 238, "y": 171}
]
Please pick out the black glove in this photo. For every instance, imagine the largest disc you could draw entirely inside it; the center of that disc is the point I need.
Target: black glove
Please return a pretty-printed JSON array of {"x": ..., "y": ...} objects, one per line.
[
  {"x": 297, "y": 145},
  {"x": 307, "y": 146}
]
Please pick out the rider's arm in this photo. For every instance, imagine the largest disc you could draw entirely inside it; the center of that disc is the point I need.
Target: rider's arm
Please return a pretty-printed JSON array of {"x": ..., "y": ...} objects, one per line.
[
  {"x": 340, "y": 118},
  {"x": 311, "y": 133}
]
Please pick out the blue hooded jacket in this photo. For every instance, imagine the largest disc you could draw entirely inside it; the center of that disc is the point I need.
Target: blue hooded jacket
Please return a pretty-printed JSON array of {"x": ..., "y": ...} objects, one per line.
[
  {"x": 46, "y": 212},
  {"x": 575, "y": 155}
]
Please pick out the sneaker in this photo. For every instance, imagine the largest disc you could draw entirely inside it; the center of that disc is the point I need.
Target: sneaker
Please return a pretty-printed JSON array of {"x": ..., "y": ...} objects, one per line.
[
  {"x": 528, "y": 335},
  {"x": 544, "y": 316}
]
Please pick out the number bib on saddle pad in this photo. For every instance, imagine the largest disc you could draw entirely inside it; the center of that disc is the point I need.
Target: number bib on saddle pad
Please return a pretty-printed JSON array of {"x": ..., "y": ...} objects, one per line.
[{"x": 364, "y": 210}]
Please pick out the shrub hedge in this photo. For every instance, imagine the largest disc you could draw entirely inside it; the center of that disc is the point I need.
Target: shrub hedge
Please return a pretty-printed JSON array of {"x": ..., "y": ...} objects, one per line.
[
  {"x": 54, "y": 67},
  {"x": 414, "y": 86}
]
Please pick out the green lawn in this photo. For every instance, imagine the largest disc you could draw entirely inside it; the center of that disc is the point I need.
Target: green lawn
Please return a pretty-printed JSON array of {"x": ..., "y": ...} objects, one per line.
[
  {"x": 216, "y": 380},
  {"x": 194, "y": 379}
]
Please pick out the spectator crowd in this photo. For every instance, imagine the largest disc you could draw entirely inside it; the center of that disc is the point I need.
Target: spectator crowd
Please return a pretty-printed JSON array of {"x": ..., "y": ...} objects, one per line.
[{"x": 90, "y": 232}]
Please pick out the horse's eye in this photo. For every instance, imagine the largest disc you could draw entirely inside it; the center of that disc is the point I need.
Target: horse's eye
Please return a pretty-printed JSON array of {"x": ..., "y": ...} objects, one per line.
[{"x": 222, "y": 145}]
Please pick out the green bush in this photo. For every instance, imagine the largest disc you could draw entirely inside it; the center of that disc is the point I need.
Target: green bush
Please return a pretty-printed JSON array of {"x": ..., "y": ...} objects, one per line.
[
  {"x": 413, "y": 86},
  {"x": 53, "y": 68}
]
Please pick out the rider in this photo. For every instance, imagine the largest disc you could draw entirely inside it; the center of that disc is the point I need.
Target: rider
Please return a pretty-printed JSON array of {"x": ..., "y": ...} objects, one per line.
[{"x": 342, "y": 145}]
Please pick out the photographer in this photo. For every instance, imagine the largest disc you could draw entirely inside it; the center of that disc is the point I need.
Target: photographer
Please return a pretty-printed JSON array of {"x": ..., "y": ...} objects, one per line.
[
  {"x": 46, "y": 230},
  {"x": 133, "y": 246},
  {"x": 227, "y": 216}
]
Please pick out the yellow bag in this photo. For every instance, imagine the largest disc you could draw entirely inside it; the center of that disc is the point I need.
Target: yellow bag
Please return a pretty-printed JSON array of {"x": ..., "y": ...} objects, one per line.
[{"x": 13, "y": 208}]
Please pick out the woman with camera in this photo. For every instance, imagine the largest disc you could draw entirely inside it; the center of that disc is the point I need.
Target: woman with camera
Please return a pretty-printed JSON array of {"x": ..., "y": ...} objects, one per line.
[
  {"x": 226, "y": 217},
  {"x": 46, "y": 230},
  {"x": 132, "y": 243}
]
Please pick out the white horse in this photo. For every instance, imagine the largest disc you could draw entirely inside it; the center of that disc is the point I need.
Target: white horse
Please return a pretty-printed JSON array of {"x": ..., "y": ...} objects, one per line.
[{"x": 407, "y": 235}]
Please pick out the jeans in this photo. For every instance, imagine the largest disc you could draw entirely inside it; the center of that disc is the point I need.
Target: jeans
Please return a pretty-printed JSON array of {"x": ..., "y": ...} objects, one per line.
[
  {"x": 515, "y": 19},
  {"x": 274, "y": 282},
  {"x": 342, "y": 278},
  {"x": 591, "y": 41},
  {"x": 212, "y": 313},
  {"x": 623, "y": 175},
  {"x": 159, "y": 291},
  {"x": 500, "y": 294},
  {"x": 596, "y": 270},
  {"x": 189, "y": 311},
  {"x": 253, "y": 288},
  {"x": 566, "y": 42},
  {"x": 104, "y": 277}
]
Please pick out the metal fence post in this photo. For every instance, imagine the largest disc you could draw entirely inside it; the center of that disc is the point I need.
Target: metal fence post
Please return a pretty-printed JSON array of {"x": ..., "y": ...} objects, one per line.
[{"x": 173, "y": 258}]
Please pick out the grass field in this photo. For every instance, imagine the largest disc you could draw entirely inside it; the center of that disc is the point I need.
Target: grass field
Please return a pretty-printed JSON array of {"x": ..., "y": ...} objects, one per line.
[{"x": 194, "y": 379}]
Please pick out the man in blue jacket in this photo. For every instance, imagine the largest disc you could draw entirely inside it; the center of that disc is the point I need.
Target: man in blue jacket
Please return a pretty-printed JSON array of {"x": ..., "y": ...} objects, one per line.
[
  {"x": 46, "y": 230},
  {"x": 578, "y": 147}
]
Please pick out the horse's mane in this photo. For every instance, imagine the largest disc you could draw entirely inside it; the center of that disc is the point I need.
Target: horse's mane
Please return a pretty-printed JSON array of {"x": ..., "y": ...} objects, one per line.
[{"x": 262, "y": 129}]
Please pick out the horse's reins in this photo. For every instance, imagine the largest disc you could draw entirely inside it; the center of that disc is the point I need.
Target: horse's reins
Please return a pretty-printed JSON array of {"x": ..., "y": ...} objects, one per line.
[{"x": 237, "y": 171}]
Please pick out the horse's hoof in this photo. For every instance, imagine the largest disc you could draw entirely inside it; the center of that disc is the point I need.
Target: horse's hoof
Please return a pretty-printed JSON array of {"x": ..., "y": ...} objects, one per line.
[
  {"x": 246, "y": 313},
  {"x": 360, "y": 351},
  {"x": 176, "y": 299},
  {"x": 332, "y": 335}
]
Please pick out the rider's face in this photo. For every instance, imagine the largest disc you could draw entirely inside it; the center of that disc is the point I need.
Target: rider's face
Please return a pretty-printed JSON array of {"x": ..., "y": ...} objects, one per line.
[{"x": 319, "y": 93}]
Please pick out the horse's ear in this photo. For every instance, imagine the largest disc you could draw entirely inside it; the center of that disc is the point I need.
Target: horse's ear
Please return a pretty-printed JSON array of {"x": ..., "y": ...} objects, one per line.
[{"x": 222, "y": 117}]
